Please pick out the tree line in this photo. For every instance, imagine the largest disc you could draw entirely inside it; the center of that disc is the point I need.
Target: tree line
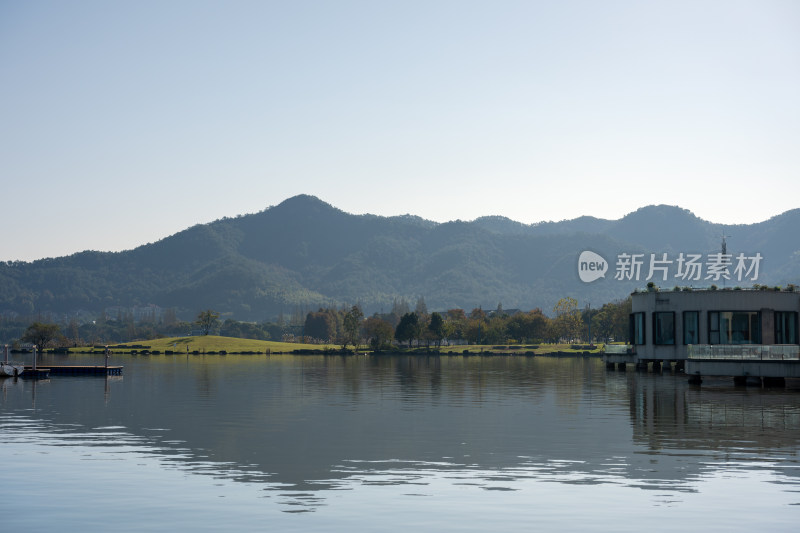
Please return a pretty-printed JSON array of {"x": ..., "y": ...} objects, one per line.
[
  {"x": 381, "y": 331},
  {"x": 404, "y": 327}
]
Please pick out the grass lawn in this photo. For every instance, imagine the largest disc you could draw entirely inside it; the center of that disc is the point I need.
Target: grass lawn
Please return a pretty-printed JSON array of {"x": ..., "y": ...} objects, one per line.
[
  {"x": 215, "y": 343},
  {"x": 212, "y": 343}
]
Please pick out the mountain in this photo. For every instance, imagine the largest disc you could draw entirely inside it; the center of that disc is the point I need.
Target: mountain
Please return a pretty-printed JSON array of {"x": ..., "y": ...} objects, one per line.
[{"x": 305, "y": 253}]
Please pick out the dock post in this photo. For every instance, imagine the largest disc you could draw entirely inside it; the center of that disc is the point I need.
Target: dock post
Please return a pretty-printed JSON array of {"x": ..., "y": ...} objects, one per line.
[
  {"x": 34, "y": 358},
  {"x": 107, "y": 353}
]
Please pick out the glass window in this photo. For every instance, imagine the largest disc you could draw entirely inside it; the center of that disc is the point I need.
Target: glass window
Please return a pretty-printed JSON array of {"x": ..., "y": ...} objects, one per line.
[
  {"x": 785, "y": 327},
  {"x": 713, "y": 327},
  {"x": 637, "y": 328},
  {"x": 734, "y": 327},
  {"x": 691, "y": 327},
  {"x": 664, "y": 327}
]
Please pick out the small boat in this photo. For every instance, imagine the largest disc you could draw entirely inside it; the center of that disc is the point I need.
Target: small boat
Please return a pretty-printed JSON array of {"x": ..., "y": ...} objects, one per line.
[{"x": 11, "y": 369}]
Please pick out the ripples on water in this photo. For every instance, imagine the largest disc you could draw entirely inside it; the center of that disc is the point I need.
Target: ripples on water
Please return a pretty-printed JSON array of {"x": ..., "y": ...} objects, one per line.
[{"x": 388, "y": 443}]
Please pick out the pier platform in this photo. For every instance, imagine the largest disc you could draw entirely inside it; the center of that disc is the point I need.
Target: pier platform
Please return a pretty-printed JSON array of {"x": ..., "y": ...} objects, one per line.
[
  {"x": 39, "y": 373},
  {"x": 73, "y": 370}
]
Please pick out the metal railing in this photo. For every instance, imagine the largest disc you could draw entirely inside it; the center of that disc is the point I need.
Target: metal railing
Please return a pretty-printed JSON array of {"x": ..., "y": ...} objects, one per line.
[
  {"x": 619, "y": 349},
  {"x": 758, "y": 352}
]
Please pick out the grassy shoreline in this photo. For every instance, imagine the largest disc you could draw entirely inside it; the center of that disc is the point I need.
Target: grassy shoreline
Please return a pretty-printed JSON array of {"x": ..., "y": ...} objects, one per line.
[{"x": 214, "y": 344}]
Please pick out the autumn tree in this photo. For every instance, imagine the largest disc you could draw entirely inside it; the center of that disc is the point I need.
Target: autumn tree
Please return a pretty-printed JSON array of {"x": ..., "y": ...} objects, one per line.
[{"x": 567, "y": 322}]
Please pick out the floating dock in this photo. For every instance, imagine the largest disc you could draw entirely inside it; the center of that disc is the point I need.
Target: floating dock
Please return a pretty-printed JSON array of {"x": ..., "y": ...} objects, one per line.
[
  {"x": 71, "y": 370},
  {"x": 39, "y": 373}
]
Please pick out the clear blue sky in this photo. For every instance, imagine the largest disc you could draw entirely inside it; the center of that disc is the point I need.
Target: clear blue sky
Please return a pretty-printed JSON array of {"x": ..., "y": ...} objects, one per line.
[{"x": 125, "y": 122}]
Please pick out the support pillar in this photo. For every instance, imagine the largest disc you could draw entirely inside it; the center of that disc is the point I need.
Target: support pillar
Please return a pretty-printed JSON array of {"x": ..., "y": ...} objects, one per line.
[{"x": 753, "y": 381}]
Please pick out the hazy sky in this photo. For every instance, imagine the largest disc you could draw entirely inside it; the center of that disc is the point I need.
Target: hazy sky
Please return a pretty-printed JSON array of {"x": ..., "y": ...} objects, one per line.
[{"x": 124, "y": 122}]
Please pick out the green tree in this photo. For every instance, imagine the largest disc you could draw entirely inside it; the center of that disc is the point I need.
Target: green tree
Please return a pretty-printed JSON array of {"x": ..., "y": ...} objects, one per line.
[
  {"x": 456, "y": 324},
  {"x": 497, "y": 330},
  {"x": 588, "y": 329},
  {"x": 320, "y": 325},
  {"x": 41, "y": 334},
  {"x": 207, "y": 320},
  {"x": 351, "y": 327},
  {"x": 379, "y": 332},
  {"x": 621, "y": 311},
  {"x": 603, "y": 323},
  {"x": 528, "y": 327},
  {"x": 436, "y": 329},
  {"x": 407, "y": 329}
]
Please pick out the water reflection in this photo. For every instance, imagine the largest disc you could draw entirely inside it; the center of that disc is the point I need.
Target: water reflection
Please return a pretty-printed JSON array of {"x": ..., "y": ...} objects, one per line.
[{"x": 301, "y": 428}]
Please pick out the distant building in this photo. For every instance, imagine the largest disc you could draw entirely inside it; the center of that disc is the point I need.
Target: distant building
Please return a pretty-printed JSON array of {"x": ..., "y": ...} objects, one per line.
[{"x": 503, "y": 312}]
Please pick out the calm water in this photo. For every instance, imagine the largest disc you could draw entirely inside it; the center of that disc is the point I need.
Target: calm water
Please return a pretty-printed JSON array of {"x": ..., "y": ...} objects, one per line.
[{"x": 308, "y": 443}]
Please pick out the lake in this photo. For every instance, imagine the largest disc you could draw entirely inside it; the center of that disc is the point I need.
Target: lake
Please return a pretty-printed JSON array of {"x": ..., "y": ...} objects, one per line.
[{"x": 392, "y": 443}]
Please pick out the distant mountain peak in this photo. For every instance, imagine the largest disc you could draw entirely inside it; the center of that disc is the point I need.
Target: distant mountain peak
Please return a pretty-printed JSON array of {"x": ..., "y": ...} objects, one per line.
[
  {"x": 304, "y": 200},
  {"x": 661, "y": 210},
  {"x": 500, "y": 224}
]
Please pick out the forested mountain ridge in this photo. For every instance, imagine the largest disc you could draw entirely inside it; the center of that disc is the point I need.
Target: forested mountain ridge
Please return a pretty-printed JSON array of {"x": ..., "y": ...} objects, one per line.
[{"x": 304, "y": 253}]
